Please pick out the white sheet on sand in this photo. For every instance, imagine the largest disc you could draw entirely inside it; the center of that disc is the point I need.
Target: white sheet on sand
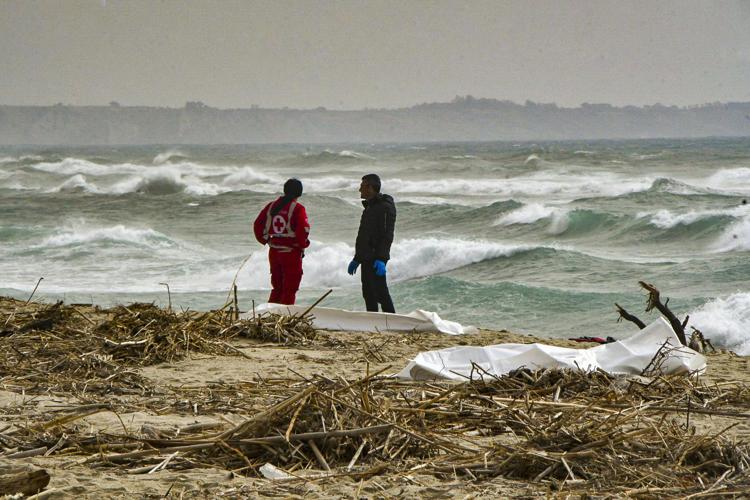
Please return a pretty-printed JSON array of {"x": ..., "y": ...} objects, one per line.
[
  {"x": 629, "y": 356},
  {"x": 339, "y": 319}
]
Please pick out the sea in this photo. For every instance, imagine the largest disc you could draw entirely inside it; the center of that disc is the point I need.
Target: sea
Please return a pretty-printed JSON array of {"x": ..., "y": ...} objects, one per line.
[{"x": 537, "y": 238}]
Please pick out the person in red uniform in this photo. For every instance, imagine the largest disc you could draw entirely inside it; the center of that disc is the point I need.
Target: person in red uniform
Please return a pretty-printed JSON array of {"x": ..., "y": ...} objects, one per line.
[{"x": 283, "y": 225}]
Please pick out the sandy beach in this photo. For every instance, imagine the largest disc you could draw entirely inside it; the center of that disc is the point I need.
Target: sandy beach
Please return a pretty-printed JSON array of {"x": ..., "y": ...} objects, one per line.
[
  {"x": 374, "y": 249},
  {"x": 203, "y": 392}
]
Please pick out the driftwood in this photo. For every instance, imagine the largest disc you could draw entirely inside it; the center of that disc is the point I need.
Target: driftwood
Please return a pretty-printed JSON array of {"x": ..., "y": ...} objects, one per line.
[
  {"x": 27, "y": 480},
  {"x": 654, "y": 302},
  {"x": 626, "y": 315},
  {"x": 698, "y": 342}
]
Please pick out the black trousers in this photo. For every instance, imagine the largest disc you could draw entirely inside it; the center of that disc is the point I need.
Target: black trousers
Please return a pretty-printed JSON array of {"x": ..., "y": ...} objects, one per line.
[{"x": 375, "y": 289}]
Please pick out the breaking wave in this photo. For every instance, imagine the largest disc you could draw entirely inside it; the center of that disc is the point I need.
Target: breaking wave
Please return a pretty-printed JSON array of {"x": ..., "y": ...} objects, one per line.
[
  {"x": 80, "y": 234},
  {"x": 529, "y": 214},
  {"x": 736, "y": 237},
  {"x": 726, "y": 322},
  {"x": 168, "y": 156},
  {"x": 666, "y": 219}
]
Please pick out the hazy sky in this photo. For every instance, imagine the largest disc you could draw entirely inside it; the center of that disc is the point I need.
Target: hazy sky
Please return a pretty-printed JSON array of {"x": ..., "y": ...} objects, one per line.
[{"x": 356, "y": 54}]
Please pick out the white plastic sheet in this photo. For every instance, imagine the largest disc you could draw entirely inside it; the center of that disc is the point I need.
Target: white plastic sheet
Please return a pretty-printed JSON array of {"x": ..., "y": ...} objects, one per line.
[
  {"x": 328, "y": 318},
  {"x": 629, "y": 356}
]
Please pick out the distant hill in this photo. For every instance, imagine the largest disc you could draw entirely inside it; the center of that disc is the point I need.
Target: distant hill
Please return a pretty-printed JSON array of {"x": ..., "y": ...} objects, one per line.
[{"x": 463, "y": 119}]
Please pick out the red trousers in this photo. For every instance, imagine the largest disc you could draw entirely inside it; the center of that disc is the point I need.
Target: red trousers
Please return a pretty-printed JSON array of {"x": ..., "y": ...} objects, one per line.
[{"x": 286, "y": 274}]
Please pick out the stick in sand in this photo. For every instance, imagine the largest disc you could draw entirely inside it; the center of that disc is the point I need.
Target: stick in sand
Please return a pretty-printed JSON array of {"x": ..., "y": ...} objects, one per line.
[
  {"x": 313, "y": 306},
  {"x": 34, "y": 291},
  {"x": 169, "y": 294},
  {"x": 234, "y": 281}
]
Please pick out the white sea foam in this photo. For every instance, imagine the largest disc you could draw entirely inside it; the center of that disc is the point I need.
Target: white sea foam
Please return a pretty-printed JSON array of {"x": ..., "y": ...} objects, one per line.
[
  {"x": 560, "y": 222},
  {"x": 726, "y": 322},
  {"x": 354, "y": 154},
  {"x": 72, "y": 166},
  {"x": 532, "y": 160},
  {"x": 415, "y": 258},
  {"x": 169, "y": 178},
  {"x": 325, "y": 264},
  {"x": 211, "y": 179},
  {"x": 249, "y": 177},
  {"x": 434, "y": 200},
  {"x": 735, "y": 180},
  {"x": 559, "y": 219},
  {"x": 527, "y": 214},
  {"x": 736, "y": 237},
  {"x": 560, "y": 185},
  {"x": 674, "y": 186},
  {"x": 164, "y": 157},
  {"x": 666, "y": 219},
  {"x": 159, "y": 181},
  {"x": 75, "y": 183},
  {"x": 82, "y": 234},
  {"x": 331, "y": 183}
]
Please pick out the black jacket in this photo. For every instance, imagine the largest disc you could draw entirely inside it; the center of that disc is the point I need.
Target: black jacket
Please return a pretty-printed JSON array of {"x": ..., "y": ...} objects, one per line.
[{"x": 376, "y": 227}]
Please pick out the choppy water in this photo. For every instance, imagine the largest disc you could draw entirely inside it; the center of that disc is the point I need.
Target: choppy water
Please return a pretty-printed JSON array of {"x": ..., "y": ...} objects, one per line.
[{"x": 538, "y": 238}]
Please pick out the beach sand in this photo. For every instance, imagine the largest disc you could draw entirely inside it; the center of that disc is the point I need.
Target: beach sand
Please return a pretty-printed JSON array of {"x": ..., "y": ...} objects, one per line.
[{"x": 350, "y": 355}]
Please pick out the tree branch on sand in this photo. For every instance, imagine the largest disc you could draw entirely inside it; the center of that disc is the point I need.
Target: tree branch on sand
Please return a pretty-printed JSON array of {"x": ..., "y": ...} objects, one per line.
[
  {"x": 654, "y": 302},
  {"x": 626, "y": 315}
]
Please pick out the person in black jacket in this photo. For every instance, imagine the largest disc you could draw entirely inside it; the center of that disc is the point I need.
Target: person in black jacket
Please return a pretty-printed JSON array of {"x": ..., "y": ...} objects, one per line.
[{"x": 373, "y": 245}]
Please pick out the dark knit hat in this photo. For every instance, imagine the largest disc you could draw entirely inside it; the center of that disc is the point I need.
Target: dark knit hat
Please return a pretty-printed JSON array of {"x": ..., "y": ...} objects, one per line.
[{"x": 293, "y": 188}]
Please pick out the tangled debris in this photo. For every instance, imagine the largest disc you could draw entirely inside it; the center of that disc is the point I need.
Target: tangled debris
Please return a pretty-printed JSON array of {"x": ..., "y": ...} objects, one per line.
[
  {"x": 60, "y": 348},
  {"x": 566, "y": 431},
  {"x": 572, "y": 430}
]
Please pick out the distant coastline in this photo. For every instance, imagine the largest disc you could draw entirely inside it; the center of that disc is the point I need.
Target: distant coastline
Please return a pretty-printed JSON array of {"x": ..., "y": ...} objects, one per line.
[{"x": 463, "y": 119}]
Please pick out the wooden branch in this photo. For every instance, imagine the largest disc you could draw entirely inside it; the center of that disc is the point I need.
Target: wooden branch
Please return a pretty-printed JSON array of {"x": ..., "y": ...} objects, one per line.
[
  {"x": 626, "y": 315},
  {"x": 318, "y": 455},
  {"x": 307, "y": 311},
  {"x": 655, "y": 302},
  {"x": 28, "y": 453}
]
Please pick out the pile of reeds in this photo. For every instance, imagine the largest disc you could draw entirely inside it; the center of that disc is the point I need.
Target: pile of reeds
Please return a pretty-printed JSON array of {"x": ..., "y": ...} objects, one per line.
[
  {"x": 50, "y": 349},
  {"x": 547, "y": 427},
  {"x": 281, "y": 329},
  {"x": 144, "y": 334},
  {"x": 58, "y": 348}
]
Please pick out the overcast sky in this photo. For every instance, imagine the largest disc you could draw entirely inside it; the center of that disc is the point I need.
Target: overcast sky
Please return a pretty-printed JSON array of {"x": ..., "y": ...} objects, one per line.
[{"x": 356, "y": 54}]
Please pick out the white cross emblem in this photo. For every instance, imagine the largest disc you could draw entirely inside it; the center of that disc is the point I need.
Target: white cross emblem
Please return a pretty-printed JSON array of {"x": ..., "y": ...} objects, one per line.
[{"x": 279, "y": 224}]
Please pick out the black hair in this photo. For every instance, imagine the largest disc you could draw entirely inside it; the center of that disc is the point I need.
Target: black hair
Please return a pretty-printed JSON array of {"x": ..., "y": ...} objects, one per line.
[
  {"x": 372, "y": 180},
  {"x": 292, "y": 190}
]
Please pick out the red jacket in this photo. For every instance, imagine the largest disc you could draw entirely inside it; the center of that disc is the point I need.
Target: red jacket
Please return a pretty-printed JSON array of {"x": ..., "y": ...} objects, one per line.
[{"x": 283, "y": 231}]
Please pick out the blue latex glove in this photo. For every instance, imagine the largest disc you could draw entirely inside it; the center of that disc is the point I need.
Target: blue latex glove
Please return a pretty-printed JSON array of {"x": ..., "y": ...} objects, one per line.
[
  {"x": 353, "y": 265},
  {"x": 379, "y": 267}
]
